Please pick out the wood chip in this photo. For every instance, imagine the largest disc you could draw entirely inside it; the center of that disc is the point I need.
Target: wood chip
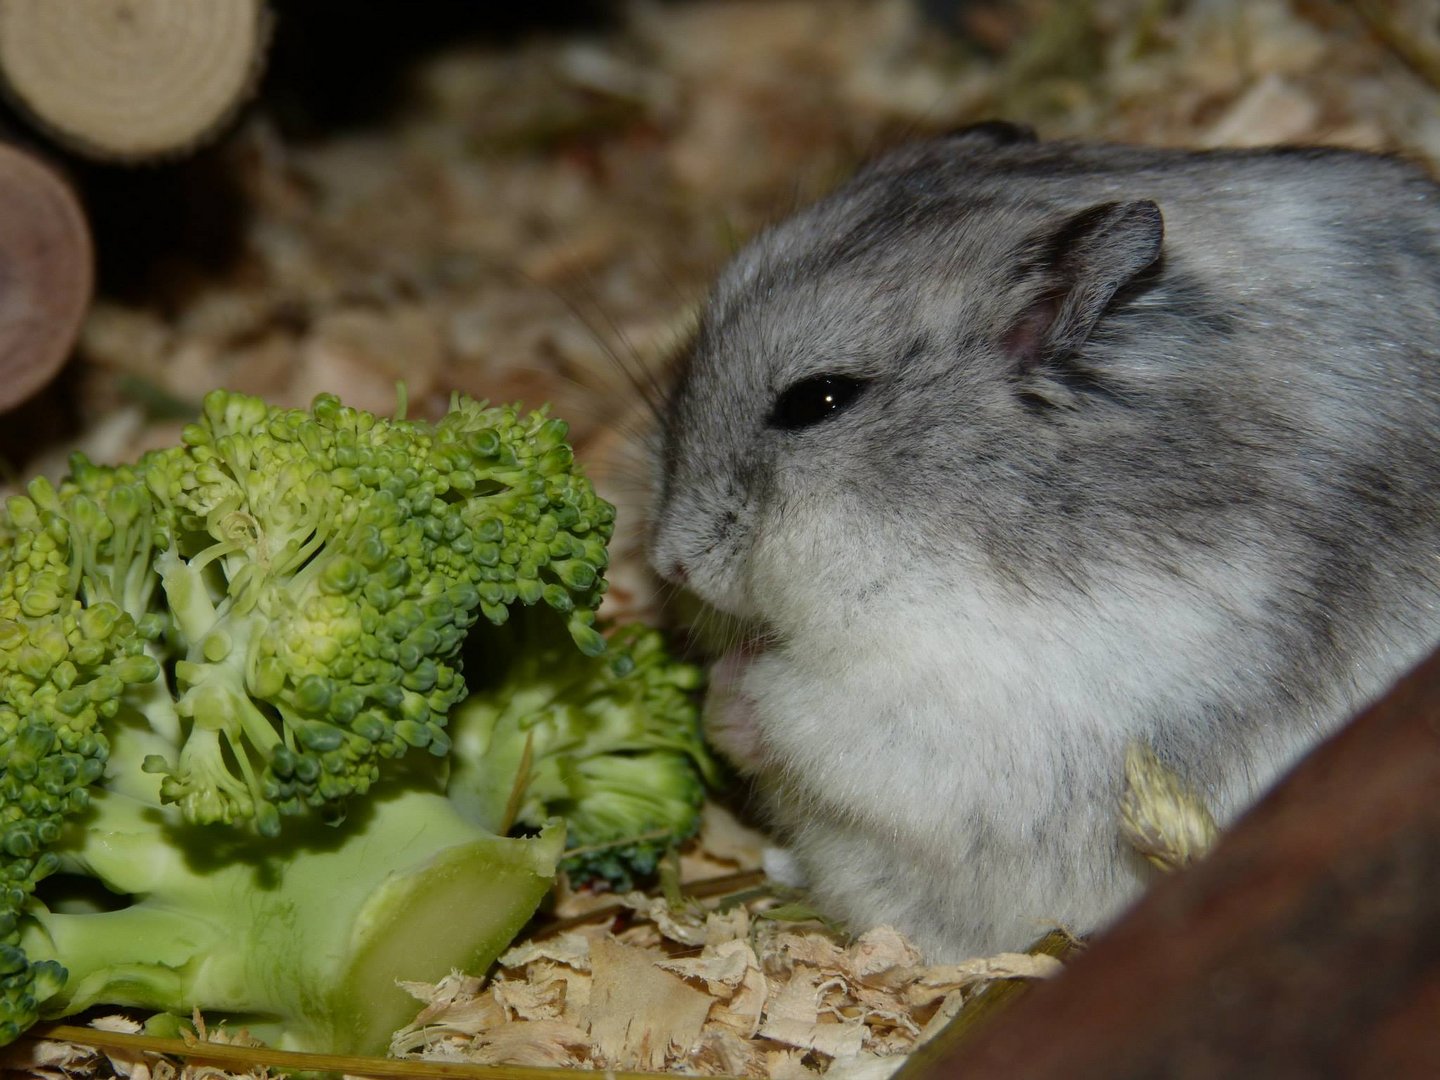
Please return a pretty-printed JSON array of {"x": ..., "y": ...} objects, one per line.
[{"x": 640, "y": 1016}]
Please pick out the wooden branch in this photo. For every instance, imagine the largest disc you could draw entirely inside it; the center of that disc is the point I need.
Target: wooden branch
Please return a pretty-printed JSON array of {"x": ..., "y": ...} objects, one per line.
[
  {"x": 46, "y": 273},
  {"x": 289, "y": 1062},
  {"x": 130, "y": 80},
  {"x": 1306, "y": 944}
]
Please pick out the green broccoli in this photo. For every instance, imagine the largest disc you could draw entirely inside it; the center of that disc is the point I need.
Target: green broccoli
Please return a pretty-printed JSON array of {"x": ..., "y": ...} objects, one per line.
[
  {"x": 612, "y": 747},
  {"x": 325, "y": 569},
  {"x": 255, "y": 627},
  {"x": 66, "y": 661}
]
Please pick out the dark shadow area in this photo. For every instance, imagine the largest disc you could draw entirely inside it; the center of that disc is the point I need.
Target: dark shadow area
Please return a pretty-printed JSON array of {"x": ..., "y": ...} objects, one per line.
[
  {"x": 155, "y": 225},
  {"x": 337, "y": 64},
  {"x": 52, "y": 413}
]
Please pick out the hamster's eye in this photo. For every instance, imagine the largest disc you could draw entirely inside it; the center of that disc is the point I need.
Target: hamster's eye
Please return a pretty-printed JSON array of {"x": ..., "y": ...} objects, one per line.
[{"x": 811, "y": 401}]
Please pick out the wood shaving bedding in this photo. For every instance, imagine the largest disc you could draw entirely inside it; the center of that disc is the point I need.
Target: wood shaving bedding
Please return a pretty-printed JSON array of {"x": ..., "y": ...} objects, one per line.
[{"x": 758, "y": 998}]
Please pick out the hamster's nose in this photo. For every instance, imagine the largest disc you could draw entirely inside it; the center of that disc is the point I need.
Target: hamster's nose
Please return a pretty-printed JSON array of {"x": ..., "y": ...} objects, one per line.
[{"x": 667, "y": 551}]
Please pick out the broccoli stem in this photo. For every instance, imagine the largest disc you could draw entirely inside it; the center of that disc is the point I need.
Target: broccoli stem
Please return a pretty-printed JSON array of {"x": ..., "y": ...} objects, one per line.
[
  {"x": 105, "y": 942},
  {"x": 154, "y": 700},
  {"x": 304, "y": 944},
  {"x": 228, "y": 732},
  {"x": 185, "y": 595}
]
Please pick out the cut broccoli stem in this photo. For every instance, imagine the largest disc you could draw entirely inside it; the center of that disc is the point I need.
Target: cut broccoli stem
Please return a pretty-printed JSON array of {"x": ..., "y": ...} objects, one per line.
[{"x": 304, "y": 945}]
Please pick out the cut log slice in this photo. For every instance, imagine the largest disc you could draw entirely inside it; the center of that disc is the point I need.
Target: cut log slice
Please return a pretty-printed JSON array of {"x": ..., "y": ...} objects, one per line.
[
  {"x": 46, "y": 273},
  {"x": 131, "y": 80}
]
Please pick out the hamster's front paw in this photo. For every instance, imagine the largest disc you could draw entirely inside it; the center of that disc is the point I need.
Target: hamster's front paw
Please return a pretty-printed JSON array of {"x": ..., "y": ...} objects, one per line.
[{"x": 731, "y": 720}]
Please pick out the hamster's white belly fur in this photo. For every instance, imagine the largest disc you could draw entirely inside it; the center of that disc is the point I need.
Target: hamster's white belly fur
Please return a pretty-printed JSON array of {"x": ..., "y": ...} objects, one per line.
[{"x": 978, "y": 748}]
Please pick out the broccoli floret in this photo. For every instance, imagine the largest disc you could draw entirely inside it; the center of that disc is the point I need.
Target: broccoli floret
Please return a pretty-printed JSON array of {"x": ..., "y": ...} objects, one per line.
[
  {"x": 326, "y": 566},
  {"x": 612, "y": 744}
]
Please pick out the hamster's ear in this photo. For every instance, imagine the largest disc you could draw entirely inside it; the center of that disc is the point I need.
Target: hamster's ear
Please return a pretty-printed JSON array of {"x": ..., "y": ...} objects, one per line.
[{"x": 1080, "y": 266}]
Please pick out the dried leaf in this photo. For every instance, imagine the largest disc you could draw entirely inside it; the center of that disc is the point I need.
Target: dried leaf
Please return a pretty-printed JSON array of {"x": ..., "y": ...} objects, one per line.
[{"x": 795, "y": 911}]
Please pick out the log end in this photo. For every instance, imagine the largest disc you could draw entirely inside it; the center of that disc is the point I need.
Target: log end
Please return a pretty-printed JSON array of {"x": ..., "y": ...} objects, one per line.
[
  {"x": 46, "y": 273},
  {"x": 131, "y": 80}
]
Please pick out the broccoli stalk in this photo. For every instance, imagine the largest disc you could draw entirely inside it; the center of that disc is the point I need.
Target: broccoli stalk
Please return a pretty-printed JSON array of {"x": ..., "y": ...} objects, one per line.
[
  {"x": 68, "y": 654},
  {"x": 300, "y": 943}
]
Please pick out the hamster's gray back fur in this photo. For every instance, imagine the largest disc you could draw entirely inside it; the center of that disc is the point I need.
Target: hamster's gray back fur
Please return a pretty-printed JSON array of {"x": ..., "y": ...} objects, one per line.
[{"x": 1082, "y": 487}]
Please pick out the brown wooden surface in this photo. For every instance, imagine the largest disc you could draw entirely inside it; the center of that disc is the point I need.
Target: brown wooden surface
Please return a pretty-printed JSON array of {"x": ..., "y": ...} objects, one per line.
[{"x": 1307, "y": 944}]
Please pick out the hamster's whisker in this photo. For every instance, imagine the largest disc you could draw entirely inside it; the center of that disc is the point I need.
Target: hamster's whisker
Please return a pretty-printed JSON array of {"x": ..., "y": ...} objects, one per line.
[
  {"x": 678, "y": 296},
  {"x": 632, "y": 368},
  {"x": 626, "y": 359}
]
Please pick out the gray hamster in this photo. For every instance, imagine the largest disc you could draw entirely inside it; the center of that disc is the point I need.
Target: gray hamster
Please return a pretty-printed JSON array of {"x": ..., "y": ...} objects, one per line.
[{"x": 1014, "y": 452}]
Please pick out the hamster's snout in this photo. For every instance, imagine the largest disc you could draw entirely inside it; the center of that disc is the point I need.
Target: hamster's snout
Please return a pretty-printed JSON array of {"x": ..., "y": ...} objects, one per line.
[
  {"x": 666, "y": 552},
  {"x": 689, "y": 551}
]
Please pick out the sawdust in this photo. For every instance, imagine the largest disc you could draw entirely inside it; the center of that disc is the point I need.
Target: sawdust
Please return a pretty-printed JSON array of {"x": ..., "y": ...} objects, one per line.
[{"x": 758, "y": 998}]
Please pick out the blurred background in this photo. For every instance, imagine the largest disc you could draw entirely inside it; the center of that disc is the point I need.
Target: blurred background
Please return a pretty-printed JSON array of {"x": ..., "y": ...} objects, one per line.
[{"x": 526, "y": 201}]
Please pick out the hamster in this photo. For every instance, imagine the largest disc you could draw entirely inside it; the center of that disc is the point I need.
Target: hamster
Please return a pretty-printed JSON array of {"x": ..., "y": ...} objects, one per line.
[{"x": 1015, "y": 452}]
